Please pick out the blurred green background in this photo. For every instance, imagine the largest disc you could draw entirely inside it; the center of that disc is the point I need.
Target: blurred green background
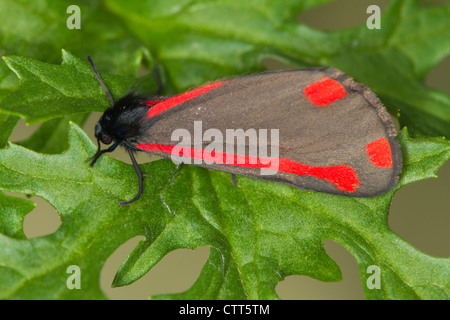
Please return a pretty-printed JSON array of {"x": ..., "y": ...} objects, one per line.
[{"x": 419, "y": 212}]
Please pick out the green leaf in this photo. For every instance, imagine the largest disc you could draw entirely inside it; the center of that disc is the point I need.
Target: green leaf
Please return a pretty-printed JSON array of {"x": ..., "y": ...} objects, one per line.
[
  {"x": 7, "y": 124},
  {"x": 8, "y": 83},
  {"x": 13, "y": 212},
  {"x": 259, "y": 232},
  {"x": 52, "y": 91},
  {"x": 38, "y": 29}
]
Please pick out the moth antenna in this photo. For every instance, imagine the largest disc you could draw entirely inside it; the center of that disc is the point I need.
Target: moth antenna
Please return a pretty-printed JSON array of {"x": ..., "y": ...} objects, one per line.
[
  {"x": 105, "y": 88},
  {"x": 158, "y": 81}
]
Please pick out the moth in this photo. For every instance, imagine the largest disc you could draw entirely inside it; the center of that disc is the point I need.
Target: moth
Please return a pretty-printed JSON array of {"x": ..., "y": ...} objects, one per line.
[{"x": 334, "y": 134}]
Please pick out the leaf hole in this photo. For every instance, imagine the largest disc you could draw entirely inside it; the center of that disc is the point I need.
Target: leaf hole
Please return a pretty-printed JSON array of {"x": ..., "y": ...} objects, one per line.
[
  {"x": 42, "y": 220},
  {"x": 419, "y": 214},
  {"x": 437, "y": 78},
  {"x": 22, "y": 131}
]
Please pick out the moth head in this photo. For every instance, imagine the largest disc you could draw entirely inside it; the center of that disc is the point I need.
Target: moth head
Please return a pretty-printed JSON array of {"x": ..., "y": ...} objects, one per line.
[
  {"x": 120, "y": 121},
  {"x": 101, "y": 135}
]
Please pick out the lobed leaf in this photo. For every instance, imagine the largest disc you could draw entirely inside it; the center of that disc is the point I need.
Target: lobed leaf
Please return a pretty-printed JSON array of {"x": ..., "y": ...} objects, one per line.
[{"x": 259, "y": 232}]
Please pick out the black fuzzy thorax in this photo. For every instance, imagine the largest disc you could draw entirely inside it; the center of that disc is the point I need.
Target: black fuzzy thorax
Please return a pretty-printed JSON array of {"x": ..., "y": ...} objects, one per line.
[{"x": 125, "y": 121}]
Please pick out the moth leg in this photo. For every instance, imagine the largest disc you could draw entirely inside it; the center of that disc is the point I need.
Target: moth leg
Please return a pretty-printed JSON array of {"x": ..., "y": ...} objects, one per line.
[
  {"x": 100, "y": 152},
  {"x": 140, "y": 177},
  {"x": 233, "y": 179}
]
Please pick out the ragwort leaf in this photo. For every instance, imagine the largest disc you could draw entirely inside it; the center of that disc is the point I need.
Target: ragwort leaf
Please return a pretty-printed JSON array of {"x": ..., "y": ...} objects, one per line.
[{"x": 259, "y": 232}]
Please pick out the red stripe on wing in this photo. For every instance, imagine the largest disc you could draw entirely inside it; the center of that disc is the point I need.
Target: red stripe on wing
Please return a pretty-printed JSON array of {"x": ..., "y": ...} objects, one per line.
[
  {"x": 178, "y": 99},
  {"x": 342, "y": 177},
  {"x": 153, "y": 102}
]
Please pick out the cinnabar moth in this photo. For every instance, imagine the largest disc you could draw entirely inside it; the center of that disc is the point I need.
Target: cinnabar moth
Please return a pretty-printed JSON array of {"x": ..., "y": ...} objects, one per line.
[{"x": 335, "y": 136}]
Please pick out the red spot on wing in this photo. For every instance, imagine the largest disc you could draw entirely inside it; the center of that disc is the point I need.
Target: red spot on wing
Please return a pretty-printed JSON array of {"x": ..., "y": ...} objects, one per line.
[
  {"x": 379, "y": 152},
  {"x": 324, "y": 92},
  {"x": 178, "y": 99},
  {"x": 342, "y": 177}
]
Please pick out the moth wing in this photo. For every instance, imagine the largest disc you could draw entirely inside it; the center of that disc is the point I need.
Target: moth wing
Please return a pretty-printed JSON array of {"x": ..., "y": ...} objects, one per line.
[{"x": 334, "y": 135}]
